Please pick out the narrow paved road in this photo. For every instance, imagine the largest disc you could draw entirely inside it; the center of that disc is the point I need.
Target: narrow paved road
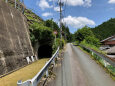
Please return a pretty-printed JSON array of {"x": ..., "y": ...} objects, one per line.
[{"x": 78, "y": 69}]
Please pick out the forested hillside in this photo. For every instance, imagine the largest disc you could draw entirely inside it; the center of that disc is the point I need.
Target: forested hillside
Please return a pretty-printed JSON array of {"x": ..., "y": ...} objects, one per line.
[
  {"x": 105, "y": 30},
  {"x": 37, "y": 26}
]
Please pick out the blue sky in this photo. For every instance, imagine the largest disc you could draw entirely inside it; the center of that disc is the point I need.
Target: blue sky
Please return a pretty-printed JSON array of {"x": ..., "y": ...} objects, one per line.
[{"x": 77, "y": 14}]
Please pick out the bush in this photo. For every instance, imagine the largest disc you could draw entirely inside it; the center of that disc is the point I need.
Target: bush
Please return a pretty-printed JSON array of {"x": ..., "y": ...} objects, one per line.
[
  {"x": 32, "y": 38},
  {"x": 92, "y": 40},
  {"x": 43, "y": 34},
  {"x": 62, "y": 43},
  {"x": 58, "y": 43},
  {"x": 77, "y": 42},
  {"x": 83, "y": 33}
]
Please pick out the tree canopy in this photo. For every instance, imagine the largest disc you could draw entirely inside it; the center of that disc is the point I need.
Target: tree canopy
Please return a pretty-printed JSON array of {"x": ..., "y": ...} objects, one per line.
[
  {"x": 65, "y": 30},
  {"x": 66, "y": 33},
  {"x": 43, "y": 34},
  {"x": 105, "y": 30},
  {"x": 53, "y": 25},
  {"x": 83, "y": 33}
]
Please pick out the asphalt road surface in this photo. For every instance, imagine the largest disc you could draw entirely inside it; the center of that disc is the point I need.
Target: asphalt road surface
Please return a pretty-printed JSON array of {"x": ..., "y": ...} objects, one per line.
[{"x": 78, "y": 69}]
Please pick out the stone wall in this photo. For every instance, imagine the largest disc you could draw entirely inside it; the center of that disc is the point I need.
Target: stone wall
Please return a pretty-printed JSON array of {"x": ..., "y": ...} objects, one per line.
[{"x": 15, "y": 44}]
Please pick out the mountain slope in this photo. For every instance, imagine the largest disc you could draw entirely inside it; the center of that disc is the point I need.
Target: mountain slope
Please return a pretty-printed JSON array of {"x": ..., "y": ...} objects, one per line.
[{"x": 105, "y": 30}]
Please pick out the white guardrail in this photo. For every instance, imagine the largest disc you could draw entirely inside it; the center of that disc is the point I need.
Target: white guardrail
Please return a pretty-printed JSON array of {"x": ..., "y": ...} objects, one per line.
[{"x": 36, "y": 79}]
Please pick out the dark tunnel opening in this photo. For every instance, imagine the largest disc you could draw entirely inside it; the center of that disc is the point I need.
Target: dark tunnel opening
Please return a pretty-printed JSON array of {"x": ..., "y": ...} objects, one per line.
[{"x": 45, "y": 51}]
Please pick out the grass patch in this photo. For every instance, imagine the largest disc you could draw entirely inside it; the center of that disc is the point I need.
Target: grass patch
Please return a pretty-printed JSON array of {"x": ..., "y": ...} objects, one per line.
[
  {"x": 23, "y": 74},
  {"x": 93, "y": 48}
]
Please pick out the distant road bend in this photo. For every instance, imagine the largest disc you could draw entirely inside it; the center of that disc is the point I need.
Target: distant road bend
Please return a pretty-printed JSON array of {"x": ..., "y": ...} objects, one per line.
[{"x": 78, "y": 69}]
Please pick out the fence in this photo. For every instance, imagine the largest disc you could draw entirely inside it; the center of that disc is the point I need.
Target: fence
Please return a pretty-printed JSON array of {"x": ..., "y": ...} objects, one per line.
[
  {"x": 97, "y": 55},
  {"x": 36, "y": 79},
  {"x": 107, "y": 62},
  {"x": 94, "y": 53}
]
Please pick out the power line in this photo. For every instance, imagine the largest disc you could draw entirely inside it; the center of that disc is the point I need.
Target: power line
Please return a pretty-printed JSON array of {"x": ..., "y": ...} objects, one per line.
[{"x": 62, "y": 9}]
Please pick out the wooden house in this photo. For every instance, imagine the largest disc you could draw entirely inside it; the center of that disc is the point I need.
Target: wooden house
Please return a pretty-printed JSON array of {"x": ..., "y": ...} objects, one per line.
[
  {"x": 110, "y": 41},
  {"x": 108, "y": 45}
]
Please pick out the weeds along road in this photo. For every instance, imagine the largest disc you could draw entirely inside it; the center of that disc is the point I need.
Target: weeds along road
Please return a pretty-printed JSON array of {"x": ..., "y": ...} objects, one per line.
[{"x": 78, "y": 69}]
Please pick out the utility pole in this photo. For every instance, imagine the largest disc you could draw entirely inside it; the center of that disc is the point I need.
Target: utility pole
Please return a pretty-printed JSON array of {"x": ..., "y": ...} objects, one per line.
[{"x": 61, "y": 5}]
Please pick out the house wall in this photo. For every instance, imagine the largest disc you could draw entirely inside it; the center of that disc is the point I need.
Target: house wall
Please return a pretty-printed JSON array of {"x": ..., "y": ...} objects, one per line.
[{"x": 110, "y": 42}]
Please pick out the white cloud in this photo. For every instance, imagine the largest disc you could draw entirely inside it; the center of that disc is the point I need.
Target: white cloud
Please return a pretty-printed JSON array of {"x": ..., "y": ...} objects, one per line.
[
  {"x": 74, "y": 2},
  {"x": 78, "y": 22},
  {"x": 111, "y": 1},
  {"x": 43, "y": 4},
  {"x": 47, "y": 14},
  {"x": 56, "y": 9},
  {"x": 86, "y": 3}
]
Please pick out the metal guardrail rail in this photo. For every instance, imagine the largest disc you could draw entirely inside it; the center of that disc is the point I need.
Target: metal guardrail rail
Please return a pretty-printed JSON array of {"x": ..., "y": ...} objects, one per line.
[
  {"x": 107, "y": 59},
  {"x": 36, "y": 79}
]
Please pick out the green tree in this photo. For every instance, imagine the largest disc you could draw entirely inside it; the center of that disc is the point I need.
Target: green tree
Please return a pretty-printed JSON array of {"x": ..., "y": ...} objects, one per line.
[
  {"x": 92, "y": 41},
  {"x": 53, "y": 25},
  {"x": 83, "y": 33},
  {"x": 66, "y": 33},
  {"x": 65, "y": 30},
  {"x": 105, "y": 30},
  {"x": 43, "y": 34}
]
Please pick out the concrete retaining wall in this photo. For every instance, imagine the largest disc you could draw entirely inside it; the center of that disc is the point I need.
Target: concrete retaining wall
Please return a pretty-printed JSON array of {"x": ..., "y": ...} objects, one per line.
[{"x": 15, "y": 44}]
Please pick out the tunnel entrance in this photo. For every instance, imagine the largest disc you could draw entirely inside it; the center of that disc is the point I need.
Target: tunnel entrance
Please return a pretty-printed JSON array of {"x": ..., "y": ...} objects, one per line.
[{"x": 45, "y": 51}]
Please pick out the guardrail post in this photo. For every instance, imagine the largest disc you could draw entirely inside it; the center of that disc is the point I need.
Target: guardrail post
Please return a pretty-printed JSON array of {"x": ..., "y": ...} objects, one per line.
[
  {"x": 92, "y": 53},
  {"x": 57, "y": 55},
  {"x": 47, "y": 73},
  {"x": 106, "y": 63},
  {"x": 30, "y": 83},
  {"x": 45, "y": 70},
  {"x": 19, "y": 83},
  {"x": 54, "y": 62}
]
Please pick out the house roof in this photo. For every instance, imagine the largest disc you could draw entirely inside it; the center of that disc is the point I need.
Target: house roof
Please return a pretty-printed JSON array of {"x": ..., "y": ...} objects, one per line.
[{"x": 108, "y": 38}]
